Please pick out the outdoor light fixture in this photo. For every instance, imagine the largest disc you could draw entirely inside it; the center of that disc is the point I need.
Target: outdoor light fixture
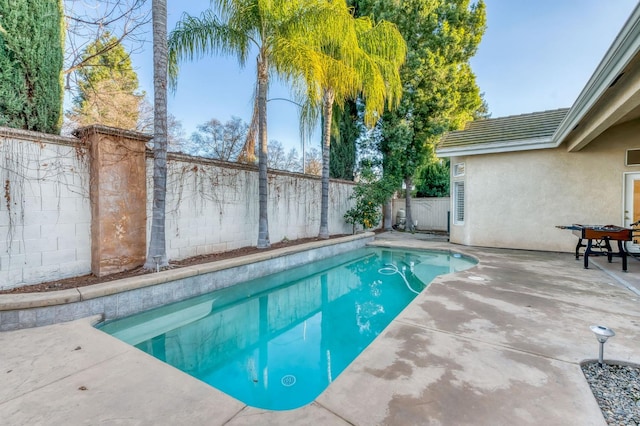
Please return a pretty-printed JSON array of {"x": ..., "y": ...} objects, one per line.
[{"x": 602, "y": 334}]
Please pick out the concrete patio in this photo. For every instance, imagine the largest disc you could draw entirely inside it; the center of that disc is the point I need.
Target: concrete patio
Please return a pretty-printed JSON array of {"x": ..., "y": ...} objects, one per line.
[{"x": 499, "y": 344}]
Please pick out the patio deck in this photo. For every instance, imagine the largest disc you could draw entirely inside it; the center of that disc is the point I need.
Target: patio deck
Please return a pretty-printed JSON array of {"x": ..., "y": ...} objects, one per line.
[{"x": 498, "y": 344}]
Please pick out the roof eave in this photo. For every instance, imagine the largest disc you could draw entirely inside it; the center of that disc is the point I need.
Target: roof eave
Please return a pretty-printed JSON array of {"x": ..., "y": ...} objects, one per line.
[
  {"x": 624, "y": 48},
  {"x": 496, "y": 147}
]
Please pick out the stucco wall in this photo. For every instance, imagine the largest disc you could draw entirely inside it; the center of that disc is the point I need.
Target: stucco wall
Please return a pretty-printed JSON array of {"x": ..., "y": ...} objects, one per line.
[
  {"x": 118, "y": 190},
  {"x": 515, "y": 200}
]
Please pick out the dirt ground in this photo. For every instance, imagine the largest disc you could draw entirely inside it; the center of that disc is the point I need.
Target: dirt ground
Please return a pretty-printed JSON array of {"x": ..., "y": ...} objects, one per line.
[{"x": 86, "y": 280}]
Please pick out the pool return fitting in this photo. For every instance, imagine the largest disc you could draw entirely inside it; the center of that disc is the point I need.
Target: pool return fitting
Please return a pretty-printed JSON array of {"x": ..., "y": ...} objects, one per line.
[{"x": 390, "y": 269}]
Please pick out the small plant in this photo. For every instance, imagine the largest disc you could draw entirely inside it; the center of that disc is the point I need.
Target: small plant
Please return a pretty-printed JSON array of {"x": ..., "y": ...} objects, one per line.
[
  {"x": 369, "y": 193},
  {"x": 364, "y": 213}
]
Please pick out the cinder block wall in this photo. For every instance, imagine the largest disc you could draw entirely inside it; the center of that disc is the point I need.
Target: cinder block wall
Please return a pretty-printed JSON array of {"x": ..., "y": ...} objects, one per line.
[
  {"x": 45, "y": 219},
  {"x": 212, "y": 206}
]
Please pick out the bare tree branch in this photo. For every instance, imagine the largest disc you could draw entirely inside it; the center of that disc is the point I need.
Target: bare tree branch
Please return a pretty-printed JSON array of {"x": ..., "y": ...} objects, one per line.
[{"x": 88, "y": 20}]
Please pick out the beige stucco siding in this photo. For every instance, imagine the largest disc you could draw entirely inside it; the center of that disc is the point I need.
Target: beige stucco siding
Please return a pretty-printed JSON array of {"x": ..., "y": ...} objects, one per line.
[{"x": 516, "y": 199}]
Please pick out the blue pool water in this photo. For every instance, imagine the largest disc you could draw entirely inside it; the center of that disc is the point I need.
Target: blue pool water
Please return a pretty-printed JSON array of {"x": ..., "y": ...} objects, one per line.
[{"x": 278, "y": 341}]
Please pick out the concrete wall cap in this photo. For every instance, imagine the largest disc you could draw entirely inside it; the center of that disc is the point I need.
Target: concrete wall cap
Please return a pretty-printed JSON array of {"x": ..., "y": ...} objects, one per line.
[
  {"x": 10, "y": 302},
  {"x": 113, "y": 131}
]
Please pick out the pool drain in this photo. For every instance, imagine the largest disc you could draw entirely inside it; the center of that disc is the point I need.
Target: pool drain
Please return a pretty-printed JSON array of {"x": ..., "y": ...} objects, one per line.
[
  {"x": 476, "y": 278},
  {"x": 288, "y": 380}
]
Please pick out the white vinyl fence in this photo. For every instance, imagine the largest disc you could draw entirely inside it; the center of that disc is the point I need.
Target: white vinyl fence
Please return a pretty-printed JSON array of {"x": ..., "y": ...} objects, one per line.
[{"x": 431, "y": 213}]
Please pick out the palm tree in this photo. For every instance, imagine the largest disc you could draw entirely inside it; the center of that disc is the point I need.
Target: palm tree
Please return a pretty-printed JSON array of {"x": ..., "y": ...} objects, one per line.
[
  {"x": 365, "y": 63},
  {"x": 157, "y": 254},
  {"x": 280, "y": 32}
]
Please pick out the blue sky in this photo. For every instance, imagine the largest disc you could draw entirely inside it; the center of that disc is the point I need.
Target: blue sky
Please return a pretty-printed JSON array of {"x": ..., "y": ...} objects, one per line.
[
  {"x": 538, "y": 55},
  {"x": 535, "y": 56}
]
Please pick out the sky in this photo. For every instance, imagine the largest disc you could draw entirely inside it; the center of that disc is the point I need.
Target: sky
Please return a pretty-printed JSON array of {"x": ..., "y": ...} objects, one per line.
[{"x": 535, "y": 56}]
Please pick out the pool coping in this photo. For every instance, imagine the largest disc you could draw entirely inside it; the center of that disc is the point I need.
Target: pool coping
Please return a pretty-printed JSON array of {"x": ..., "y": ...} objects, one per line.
[
  {"x": 401, "y": 245},
  {"x": 24, "y": 310}
]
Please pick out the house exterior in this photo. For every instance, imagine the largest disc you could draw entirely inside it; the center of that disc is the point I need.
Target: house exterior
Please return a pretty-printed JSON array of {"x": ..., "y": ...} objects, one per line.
[{"x": 513, "y": 179}]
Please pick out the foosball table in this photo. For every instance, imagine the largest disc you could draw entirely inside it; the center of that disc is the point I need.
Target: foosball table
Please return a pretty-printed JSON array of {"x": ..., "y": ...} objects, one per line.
[{"x": 599, "y": 239}]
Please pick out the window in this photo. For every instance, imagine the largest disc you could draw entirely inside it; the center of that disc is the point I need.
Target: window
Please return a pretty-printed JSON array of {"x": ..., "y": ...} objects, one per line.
[
  {"x": 633, "y": 157},
  {"x": 458, "y": 202},
  {"x": 458, "y": 170}
]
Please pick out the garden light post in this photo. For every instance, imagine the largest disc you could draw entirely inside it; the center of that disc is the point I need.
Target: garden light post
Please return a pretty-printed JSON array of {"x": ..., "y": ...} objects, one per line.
[{"x": 602, "y": 334}]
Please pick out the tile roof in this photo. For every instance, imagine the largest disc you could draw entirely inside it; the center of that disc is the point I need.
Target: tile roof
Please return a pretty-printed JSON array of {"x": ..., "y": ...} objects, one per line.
[{"x": 536, "y": 125}]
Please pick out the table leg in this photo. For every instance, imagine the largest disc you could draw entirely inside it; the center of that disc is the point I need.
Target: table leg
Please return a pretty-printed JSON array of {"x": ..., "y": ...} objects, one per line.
[
  {"x": 623, "y": 254},
  {"x": 586, "y": 254},
  {"x": 578, "y": 248},
  {"x": 607, "y": 244}
]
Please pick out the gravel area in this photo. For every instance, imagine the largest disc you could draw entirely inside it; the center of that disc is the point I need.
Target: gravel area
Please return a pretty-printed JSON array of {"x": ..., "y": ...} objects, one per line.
[{"x": 617, "y": 390}]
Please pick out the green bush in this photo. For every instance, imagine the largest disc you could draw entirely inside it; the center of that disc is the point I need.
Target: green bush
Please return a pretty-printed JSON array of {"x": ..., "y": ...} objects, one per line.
[{"x": 369, "y": 194}]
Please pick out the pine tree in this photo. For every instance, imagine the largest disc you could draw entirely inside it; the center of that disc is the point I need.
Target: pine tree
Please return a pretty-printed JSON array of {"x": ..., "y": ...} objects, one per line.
[
  {"x": 107, "y": 87},
  {"x": 31, "y": 60}
]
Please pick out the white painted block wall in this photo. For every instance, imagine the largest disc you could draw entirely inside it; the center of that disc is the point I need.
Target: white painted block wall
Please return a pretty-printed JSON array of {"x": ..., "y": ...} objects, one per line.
[
  {"x": 212, "y": 206},
  {"x": 45, "y": 218},
  {"x": 45, "y": 214}
]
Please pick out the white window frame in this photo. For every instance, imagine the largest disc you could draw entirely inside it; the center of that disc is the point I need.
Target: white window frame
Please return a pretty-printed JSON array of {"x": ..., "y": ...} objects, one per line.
[
  {"x": 626, "y": 158},
  {"x": 458, "y": 170}
]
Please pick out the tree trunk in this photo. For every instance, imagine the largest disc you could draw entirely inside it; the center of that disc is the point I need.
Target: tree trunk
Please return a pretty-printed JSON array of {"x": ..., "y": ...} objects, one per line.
[
  {"x": 157, "y": 255},
  {"x": 263, "y": 195},
  {"x": 408, "y": 182},
  {"x": 248, "y": 153},
  {"x": 327, "y": 113},
  {"x": 388, "y": 215}
]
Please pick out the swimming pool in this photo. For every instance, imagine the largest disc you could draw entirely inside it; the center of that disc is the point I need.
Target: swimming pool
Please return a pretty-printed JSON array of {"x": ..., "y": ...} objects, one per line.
[{"x": 277, "y": 342}]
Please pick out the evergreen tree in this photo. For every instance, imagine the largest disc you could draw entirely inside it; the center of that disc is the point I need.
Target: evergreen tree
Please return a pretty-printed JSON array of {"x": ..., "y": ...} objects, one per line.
[
  {"x": 440, "y": 92},
  {"x": 346, "y": 131},
  {"x": 31, "y": 60},
  {"x": 433, "y": 179},
  {"x": 107, "y": 86}
]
